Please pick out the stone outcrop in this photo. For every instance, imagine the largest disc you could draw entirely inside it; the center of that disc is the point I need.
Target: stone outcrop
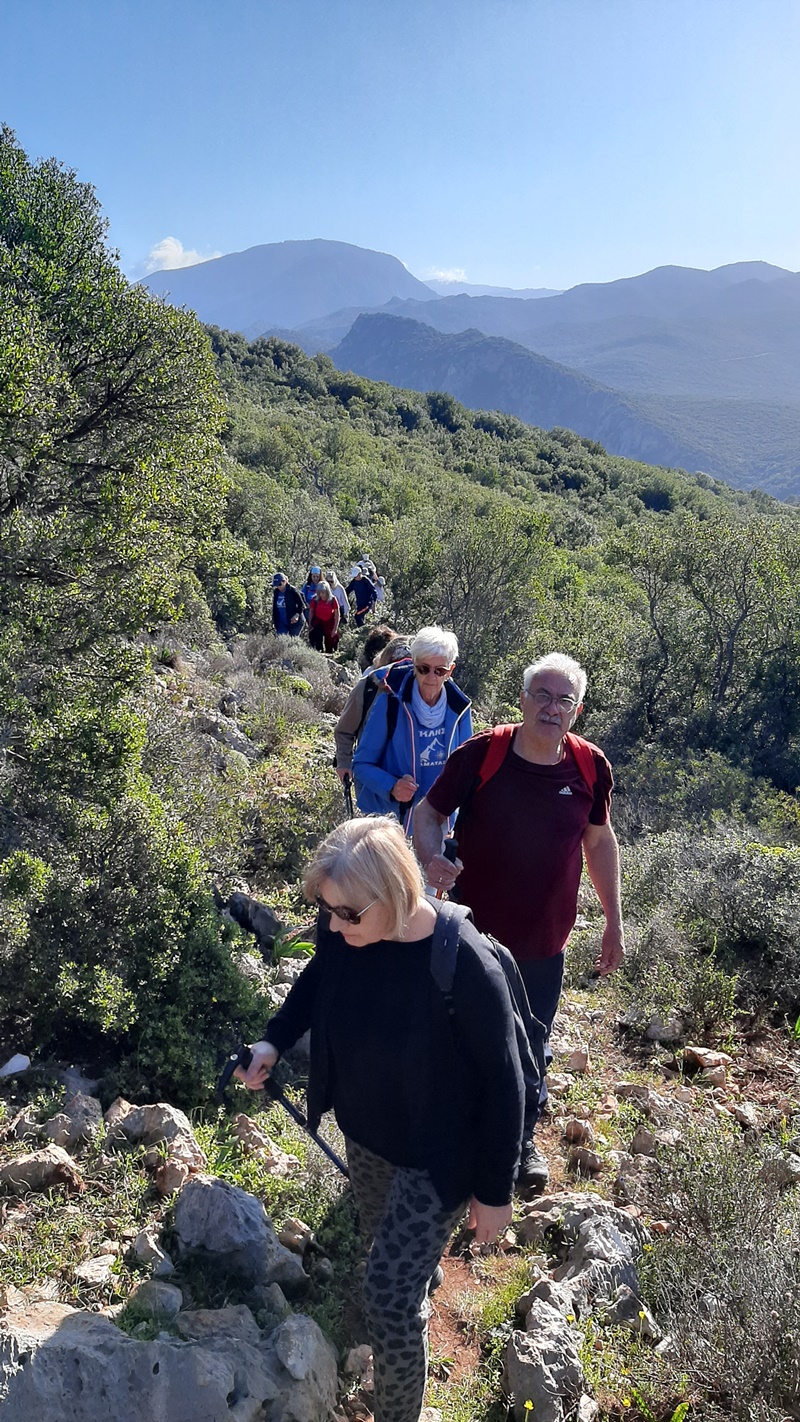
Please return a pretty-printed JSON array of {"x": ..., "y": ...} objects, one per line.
[
  {"x": 58, "y": 1364},
  {"x": 600, "y": 1245},
  {"x": 230, "y": 1226},
  {"x": 542, "y": 1366}
]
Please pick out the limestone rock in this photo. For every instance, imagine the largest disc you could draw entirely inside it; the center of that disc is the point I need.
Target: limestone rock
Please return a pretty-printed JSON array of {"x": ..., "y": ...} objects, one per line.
[
  {"x": 626, "y": 1310},
  {"x": 170, "y": 1176},
  {"x": 41, "y": 1171},
  {"x": 22, "y": 1127},
  {"x": 583, "y": 1161},
  {"x": 229, "y": 1225},
  {"x": 149, "y": 1125},
  {"x": 58, "y": 1129},
  {"x": 714, "y": 1076},
  {"x": 61, "y": 1365},
  {"x": 226, "y": 731},
  {"x": 558, "y": 1295},
  {"x": 557, "y": 1083},
  {"x": 579, "y": 1132},
  {"x": 643, "y": 1143},
  {"x": 747, "y": 1115},
  {"x": 697, "y": 1058},
  {"x": 783, "y": 1170},
  {"x": 94, "y": 1273},
  {"x": 308, "y": 1384},
  {"x": 295, "y": 1235},
  {"x": 542, "y": 1366},
  {"x": 203, "y": 1325},
  {"x": 654, "y": 1106},
  {"x": 255, "y": 1141},
  {"x": 664, "y": 1029},
  {"x": 148, "y": 1250},
  {"x": 86, "y": 1115},
  {"x": 156, "y": 1296},
  {"x": 358, "y": 1360}
]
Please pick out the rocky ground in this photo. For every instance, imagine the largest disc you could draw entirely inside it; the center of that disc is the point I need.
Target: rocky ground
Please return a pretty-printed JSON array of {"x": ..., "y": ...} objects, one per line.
[{"x": 138, "y": 1262}]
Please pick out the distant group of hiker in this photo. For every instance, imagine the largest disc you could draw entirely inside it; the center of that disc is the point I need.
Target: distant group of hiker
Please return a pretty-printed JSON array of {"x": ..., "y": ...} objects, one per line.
[
  {"x": 429, "y": 1039},
  {"x": 322, "y": 604}
]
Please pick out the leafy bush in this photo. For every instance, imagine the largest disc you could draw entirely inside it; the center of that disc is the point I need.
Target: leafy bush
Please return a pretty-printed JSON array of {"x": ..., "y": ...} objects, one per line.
[
  {"x": 725, "y": 1282},
  {"x": 116, "y": 956},
  {"x": 721, "y": 894}
]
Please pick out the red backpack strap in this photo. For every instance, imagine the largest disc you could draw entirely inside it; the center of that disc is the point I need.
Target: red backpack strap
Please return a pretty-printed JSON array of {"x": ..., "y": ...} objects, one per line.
[
  {"x": 498, "y": 748},
  {"x": 584, "y": 753}
]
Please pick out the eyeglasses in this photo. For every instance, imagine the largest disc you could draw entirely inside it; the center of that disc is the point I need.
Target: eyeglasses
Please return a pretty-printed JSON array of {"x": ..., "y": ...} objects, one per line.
[
  {"x": 347, "y": 915},
  {"x": 544, "y": 698},
  {"x": 425, "y": 670}
]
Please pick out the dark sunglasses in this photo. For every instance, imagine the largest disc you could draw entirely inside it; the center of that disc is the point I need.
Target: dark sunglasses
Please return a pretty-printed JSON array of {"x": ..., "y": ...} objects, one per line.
[
  {"x": 425, "y": 670},
  {"x": 347, "y": 915}
]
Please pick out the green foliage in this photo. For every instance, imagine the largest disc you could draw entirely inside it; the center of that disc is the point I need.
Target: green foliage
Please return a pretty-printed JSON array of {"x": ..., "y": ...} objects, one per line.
[
  {"x": 110, "y": 413},
  {"x": 715, "y": 905},
  {"x": 725, "y": 1280},
  {"x": 117, "y": 955}
]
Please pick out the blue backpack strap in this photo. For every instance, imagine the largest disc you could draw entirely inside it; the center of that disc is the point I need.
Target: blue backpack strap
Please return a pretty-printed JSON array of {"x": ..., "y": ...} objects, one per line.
[{"x": 444, "y": 949}]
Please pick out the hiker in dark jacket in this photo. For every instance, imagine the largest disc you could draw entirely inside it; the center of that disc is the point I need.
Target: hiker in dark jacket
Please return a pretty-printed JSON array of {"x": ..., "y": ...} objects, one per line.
[
  {"x": 430, "y": 1106},
  {"x": 288, "y": 607},
  {"x": 522, "y": 836},
  {"x": 410, "y": 732},
  {"x": 360, "y": 588},
  {"x": 359, "y": 703}
]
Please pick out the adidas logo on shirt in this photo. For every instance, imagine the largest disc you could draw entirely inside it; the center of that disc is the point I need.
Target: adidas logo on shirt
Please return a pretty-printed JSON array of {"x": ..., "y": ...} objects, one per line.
[{"x": 566, "y": 791}]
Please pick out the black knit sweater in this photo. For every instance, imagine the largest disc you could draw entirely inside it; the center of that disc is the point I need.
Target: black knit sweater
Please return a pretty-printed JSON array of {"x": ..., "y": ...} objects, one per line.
[{"x": 403, "y": 1079}]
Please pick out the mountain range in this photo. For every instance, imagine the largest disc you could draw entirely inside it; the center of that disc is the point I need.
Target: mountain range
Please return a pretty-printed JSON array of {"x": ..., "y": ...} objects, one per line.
[{"x": 699, "y": 369}]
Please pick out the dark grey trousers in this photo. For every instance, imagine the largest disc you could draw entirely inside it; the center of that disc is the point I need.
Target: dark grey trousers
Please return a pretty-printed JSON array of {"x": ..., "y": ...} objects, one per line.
[
  {"x": 543, "y": 979},
  {"x": 406, "y": 1228}
]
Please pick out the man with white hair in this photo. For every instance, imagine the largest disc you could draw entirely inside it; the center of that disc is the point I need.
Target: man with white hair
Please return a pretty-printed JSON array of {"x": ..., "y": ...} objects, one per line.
[{"x": 534, "y": 803}]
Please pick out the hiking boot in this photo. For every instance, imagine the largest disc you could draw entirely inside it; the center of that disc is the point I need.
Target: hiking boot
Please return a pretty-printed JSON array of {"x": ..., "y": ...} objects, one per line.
[
  {"x": 437, "y": 1278},
  {"x": 533, "y": 1169}
]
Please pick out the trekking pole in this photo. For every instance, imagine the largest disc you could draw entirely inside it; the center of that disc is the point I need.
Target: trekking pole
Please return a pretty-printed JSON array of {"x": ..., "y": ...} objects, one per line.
[
  {"x": 450, "y": 852},
  {"x": 348, "y": 796},
  {"x": 243, "y": 1058}
]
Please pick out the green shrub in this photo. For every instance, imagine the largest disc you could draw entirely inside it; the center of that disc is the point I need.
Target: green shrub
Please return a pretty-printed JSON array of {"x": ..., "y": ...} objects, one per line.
[
  {"x": 117, "y": 956},
  {"x": 725, "y": 1282},
  {"x": 722, "y": 894}
]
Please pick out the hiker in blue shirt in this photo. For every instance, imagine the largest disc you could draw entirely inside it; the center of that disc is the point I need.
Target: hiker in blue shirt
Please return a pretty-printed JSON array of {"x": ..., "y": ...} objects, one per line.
[
  {"x": 287, "y": 607},
  {"x": 410, "y": 731}
]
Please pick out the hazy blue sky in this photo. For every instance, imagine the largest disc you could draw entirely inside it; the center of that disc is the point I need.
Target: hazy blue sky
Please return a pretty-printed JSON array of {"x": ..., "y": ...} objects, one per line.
[{"x": 520, "y": 142}]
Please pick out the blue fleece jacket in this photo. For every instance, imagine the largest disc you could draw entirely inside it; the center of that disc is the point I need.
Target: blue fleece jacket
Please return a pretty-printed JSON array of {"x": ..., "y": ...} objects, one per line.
[{"x": 381, "y": 759}]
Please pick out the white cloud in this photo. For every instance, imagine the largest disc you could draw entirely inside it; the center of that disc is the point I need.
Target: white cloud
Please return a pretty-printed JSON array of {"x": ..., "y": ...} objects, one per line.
[
  {"x": 443, "y": 274},
  {"x": 170, "y": 253}
]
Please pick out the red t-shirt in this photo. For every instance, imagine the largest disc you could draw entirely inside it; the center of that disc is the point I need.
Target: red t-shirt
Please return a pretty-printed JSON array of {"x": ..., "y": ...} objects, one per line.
[
  {"x": 520, "y": 841},
  {"x": 324, "y": 612}
]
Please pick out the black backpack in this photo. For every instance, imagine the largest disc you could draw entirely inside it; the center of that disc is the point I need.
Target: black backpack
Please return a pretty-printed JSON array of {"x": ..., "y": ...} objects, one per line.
[{"x": 530, "y": 1032}]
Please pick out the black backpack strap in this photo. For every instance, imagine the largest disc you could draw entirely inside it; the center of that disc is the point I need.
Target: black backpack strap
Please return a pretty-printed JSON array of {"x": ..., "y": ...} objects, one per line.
[
  {"x": 450, "y": 918},
  {"x": 392, "y": 713}
]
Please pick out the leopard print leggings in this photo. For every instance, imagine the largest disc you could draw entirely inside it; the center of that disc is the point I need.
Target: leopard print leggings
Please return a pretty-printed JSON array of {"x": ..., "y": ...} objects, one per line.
[{"x": 405, "y": 1228}]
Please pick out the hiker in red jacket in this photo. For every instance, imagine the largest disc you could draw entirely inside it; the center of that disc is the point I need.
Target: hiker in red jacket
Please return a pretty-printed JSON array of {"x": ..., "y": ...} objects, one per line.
[{"x": 534, "y": 801}]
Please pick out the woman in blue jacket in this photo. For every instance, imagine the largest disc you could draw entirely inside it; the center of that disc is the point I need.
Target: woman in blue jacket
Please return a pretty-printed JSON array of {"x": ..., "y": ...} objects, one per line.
[{"x": 411, "y": 731}]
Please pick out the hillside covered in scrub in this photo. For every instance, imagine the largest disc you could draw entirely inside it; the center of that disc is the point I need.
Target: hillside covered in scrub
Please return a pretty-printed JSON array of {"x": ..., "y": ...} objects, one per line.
[{"x": 161, "y": 749}]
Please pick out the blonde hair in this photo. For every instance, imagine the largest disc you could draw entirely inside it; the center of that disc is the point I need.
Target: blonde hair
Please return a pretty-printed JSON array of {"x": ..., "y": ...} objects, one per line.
[{"x": 367, "y": 859}]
